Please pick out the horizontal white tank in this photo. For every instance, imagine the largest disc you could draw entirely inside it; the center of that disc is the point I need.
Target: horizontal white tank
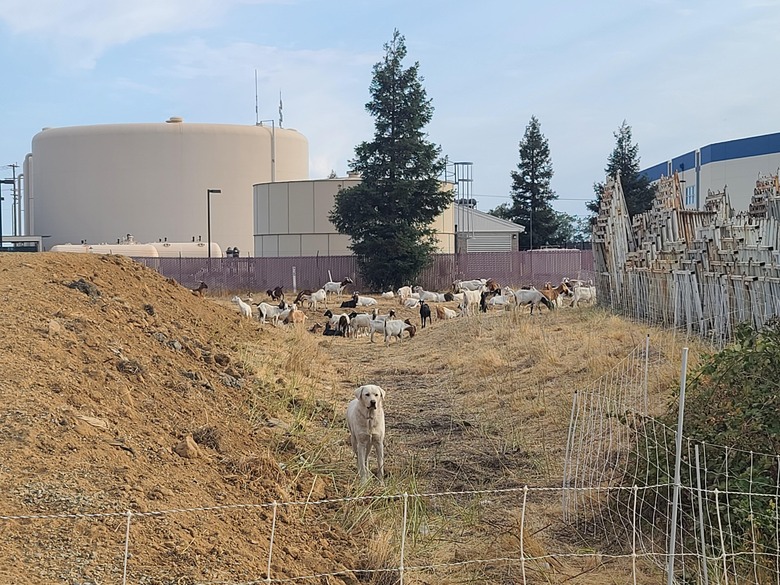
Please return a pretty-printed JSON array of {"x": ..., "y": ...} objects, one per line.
[
  {"x": 133, "y": 250},
  {"x": 152, "y": 180}
]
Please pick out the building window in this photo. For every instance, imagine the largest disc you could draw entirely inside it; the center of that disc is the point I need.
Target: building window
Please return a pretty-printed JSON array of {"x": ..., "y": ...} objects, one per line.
[{"x": 690, "y": 196}]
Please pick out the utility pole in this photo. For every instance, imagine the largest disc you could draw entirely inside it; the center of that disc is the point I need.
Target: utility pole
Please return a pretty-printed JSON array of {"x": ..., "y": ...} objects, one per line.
[{"x": 16, "y": 208}]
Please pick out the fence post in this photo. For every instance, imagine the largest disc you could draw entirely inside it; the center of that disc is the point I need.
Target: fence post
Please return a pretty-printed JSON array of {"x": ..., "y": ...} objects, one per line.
[
  {"x": 677, "y": 462},
  {"x": 403, "y": 538},
  {"x": 647, "y": 364},
  {"x": 295, "y": 283},
  {"x": 127, "y": 547},
  {"x": 522, "y": 533},
  {"x": 635, "y": 491},
  {"x": 271, "y": 544},
  {"x": 701, "y": 518}
]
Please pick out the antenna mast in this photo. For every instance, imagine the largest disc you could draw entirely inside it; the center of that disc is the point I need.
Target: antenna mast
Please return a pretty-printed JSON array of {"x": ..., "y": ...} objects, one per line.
[{"x": 257, "y": 111}]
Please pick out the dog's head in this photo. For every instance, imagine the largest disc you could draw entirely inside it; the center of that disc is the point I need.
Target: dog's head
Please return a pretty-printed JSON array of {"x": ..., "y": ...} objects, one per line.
[{"x": 370, "y": 396}]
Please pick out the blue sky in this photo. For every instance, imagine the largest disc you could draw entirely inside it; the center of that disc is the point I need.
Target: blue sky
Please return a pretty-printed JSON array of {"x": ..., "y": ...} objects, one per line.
[{"x": 682, "y": 74}]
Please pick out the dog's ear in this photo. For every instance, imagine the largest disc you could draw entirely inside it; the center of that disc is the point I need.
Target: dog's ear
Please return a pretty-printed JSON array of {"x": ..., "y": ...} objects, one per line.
[
  {"x": 381, "y": 392},
  {"x": 358, "y": 392}
]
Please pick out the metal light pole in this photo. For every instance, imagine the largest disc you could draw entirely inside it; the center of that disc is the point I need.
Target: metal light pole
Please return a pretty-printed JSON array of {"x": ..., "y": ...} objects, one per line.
[
  {"x": 3, "y": 182},
  {"x": 208, "y": 216}
]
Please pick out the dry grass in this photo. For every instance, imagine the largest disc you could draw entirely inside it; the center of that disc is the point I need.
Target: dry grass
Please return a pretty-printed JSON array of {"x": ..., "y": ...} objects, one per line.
[{"x": 477, "y": 403}]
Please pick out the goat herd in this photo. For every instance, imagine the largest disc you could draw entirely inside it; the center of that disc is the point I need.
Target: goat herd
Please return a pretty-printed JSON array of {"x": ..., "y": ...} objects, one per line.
[{"x": 471, "y": 296}]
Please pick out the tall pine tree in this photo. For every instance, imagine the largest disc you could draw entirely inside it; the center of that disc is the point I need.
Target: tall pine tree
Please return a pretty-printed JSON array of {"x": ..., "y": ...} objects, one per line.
[
  {"x": 388, "y": 215},
  {"x": 638, "y": 191},
  {"x": 531, "y": 192}
]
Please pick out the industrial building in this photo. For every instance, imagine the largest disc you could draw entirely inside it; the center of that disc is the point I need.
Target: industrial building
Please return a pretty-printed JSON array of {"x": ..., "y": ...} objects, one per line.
[
  {"x": 192, "y": 190},
  {"x": 734, "y": 165},
  {"x": 292, "y": 219},
  {"x": 169, "y": 181}
]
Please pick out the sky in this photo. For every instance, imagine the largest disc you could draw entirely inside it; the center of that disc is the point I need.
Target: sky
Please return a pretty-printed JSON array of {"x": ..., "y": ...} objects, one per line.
[{"x": 681, "y": 74}]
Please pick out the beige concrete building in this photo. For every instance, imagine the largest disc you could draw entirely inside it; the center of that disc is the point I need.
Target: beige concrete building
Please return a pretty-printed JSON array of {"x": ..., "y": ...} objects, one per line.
[
  {"x": 291, "y": 219},
  {"x": 100, "y": 183}
]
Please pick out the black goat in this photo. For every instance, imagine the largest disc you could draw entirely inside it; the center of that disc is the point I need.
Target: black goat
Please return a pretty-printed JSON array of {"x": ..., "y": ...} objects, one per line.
[
  {"x": 425, "y": 313},
  {"x": 329, "y": 331},
  {"x": 351, "y": 303},
  {"x": 277, "y": 294}
]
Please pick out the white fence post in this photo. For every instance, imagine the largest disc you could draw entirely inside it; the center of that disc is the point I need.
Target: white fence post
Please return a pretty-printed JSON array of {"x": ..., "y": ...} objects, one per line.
[
  {"x": 522, "y": 533},
  {"x": 127, "y": 547},
  {"x": 403, "y": 539},
  {"x": 677, "y": 462},
  {"x": 271, "y": 544},
  {"x": 701, "y": 519}
]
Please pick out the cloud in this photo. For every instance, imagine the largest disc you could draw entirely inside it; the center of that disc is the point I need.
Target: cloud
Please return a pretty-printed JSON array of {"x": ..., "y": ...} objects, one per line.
[{"x": 83, "y": 30}]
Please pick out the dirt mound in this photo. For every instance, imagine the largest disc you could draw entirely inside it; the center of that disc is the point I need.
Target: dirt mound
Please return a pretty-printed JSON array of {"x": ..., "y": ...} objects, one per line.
[{"x": 121, "y": 390}]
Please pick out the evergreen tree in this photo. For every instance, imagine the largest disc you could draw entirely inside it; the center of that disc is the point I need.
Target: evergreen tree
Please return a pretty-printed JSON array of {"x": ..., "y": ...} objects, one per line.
[
  {"x": 388, "y": 215},
  {"x": 638, "y": 191},
  {"x": 531, "y": 193}
]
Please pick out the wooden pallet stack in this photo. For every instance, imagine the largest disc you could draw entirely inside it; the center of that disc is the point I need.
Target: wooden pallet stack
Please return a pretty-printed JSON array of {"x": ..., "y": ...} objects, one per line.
[{"x": 704, "y": 270}]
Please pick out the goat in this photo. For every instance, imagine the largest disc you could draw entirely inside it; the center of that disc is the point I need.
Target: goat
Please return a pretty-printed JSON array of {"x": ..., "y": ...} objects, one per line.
[
  {"x": 464, "y": 285},
  {"x": 316, "y": 328},
  {"x": 554, "y": 293},
  {"x": 272, "y": 312},
  {"x": 319, "y": 296},
  {"x": 483, "y": 299},
  {"x": 403, "y": 293},
  {"x": 425, "y": 313},
  {"x": 583, "y": 293},
  {"x": 507, "y": 297},
  {"x": 359, "y": 322},
  {"x": 295, "y": 316},
  {"x": 411, "y": 303},
  {"x": 246, "y": 310},
  {"x": 332, "y": 287},
  {"x": 275, "y": 294},
  {"x": 344, "y": 325},
  {"x": 303, "y": 295},
  {"x": 331, "y": 331},
  {"x": 387, "y": 295},
  {"x": 377, "y": 323},
  {"x": 471, "y": 299},
  {"x": 198, "y": 292},
  {"x": 351, "y": 303},
  {"x": 336, "y": 320},
  {"x": 445, "y": 313},
  {"x": 365, "y": 301},
  {"x": 492, "y": 285},
  {"x": 396, "y": 328},
  {"x": 531, "y": 296}
]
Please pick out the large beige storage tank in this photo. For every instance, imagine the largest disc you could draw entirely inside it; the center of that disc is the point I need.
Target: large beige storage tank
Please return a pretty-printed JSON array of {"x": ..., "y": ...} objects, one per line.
[{"x": 89, "y": 183}]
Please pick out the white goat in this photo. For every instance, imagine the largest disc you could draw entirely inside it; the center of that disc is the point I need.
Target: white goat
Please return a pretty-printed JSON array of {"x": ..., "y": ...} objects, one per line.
[
  {"x": 396, "y": 328},
  {"x": 470, "y": 304},
  {"x": 531, "y": 296},
  {"x": 403, "y": 293},
  {"x": 359, "y": 322},
  {"x": 463, "y": 285},
  {"x": 273, "y": 312},
  {"x": 365, "y": 301},
  {"x": 411, "y": 303},
  {"x": 507, "y": 297},
  {"x": 388, "y": 295},
  {"x": 336, "y": 288},
  {"x": 246, "y": 310},
  {"x": 583, "y": 293},
  {"x": 319, "y": 296}
]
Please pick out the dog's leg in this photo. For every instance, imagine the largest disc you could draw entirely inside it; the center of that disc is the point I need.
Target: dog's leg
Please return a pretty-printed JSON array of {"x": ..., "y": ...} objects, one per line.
[
  {"x": 380, "y": 460},
  {"x": 362, "y": 457}
]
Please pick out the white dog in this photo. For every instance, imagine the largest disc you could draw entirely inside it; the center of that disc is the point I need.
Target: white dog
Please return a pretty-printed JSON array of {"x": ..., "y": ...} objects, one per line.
[{"x": 366, "y": 422}]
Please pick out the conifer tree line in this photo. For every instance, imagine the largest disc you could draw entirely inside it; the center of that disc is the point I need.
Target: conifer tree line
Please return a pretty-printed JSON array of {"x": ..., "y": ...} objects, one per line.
[{"x": 388, "y": 215}]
